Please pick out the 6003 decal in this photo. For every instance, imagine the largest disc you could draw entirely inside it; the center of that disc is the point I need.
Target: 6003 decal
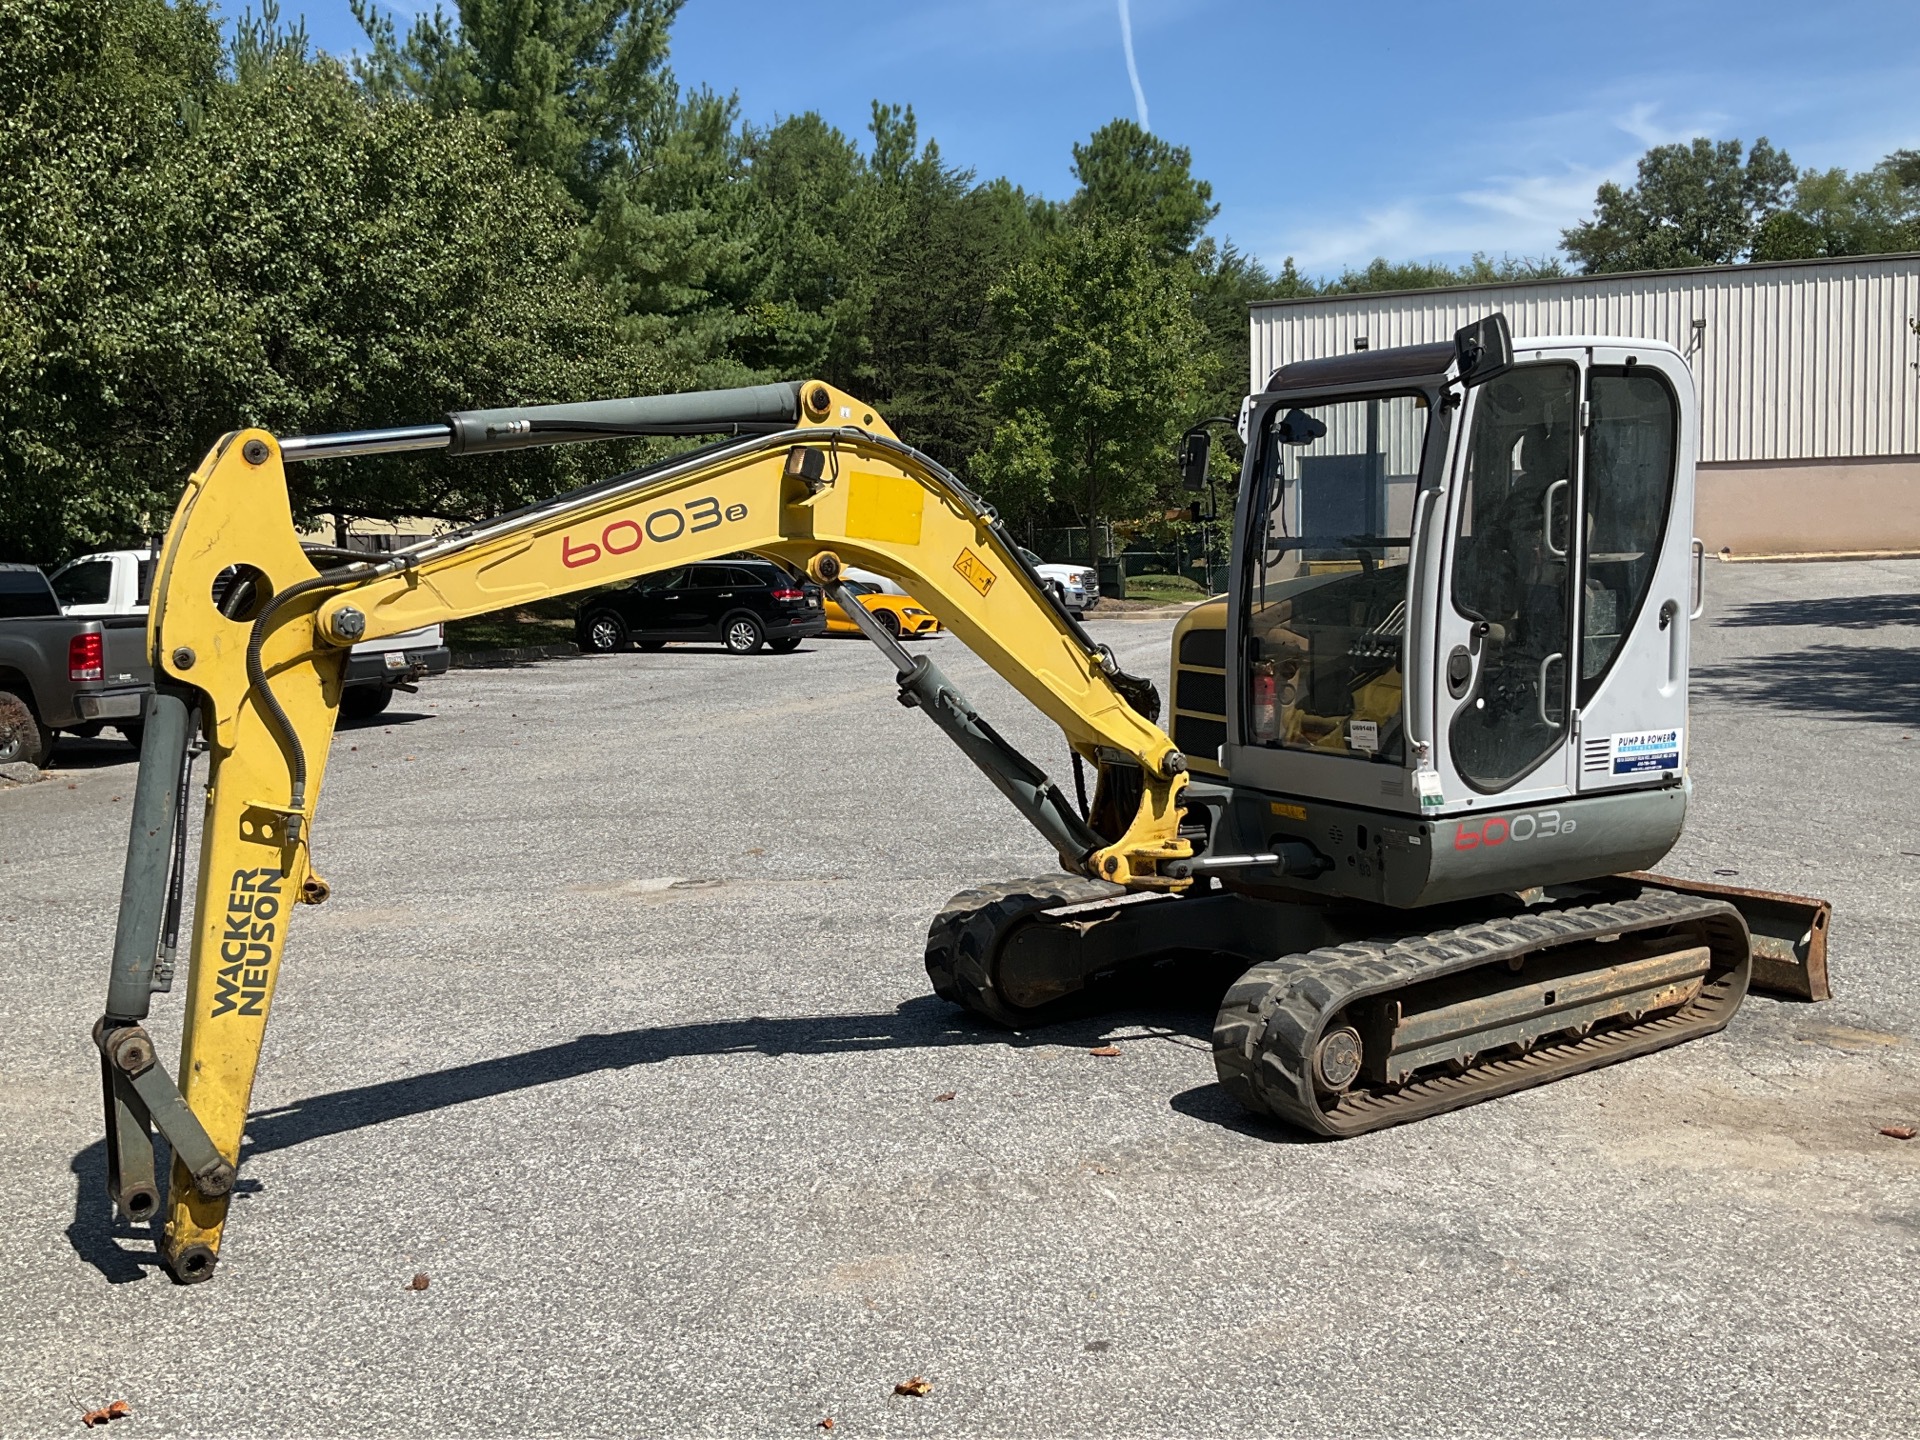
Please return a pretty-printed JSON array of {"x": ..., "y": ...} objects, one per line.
[
  {"x": 1473, "y": 834},
  {"x": 625, "y": 535}
]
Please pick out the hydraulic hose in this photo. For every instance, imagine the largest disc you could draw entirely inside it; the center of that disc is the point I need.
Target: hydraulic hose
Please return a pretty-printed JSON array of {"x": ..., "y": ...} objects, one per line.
[{"x": 270, "y": 707}]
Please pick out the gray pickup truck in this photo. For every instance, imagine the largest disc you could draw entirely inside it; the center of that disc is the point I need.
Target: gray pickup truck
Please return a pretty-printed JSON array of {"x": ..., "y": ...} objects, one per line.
[{"x": 63, "y": 672}]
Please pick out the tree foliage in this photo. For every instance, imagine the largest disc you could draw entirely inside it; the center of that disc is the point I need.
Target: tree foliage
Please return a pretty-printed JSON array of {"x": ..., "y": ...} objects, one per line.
[
  {"x": 1693, "y": 204},
  {"x": 1102, "y": 370},
  {"x": 1834, "y": 212},
  {"x": 570, "y": 86},
  {"x": 191, "y": 250},
  {"x": 1129, "y": 176},
  {"x": 516, "y": 201}
]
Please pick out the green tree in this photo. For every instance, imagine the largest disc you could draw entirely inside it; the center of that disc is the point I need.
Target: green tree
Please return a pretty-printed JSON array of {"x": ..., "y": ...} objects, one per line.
[
  {"x": 1105, "y": 362},
  {"x": 669, "y": 242},
  {"x": 923, "y": 345},
  {"x": 342, "y": 264},
  {"x": 571, "y": 86},
  {"x": 1128, "y": 175},
  {"x": 187, "y": 252},
  {"x": 1694, "y": 204},
  {"x": 1382, "y": 274},
  {"x": 1834, "y": 212},
  {"x": 93, "y": 93}
]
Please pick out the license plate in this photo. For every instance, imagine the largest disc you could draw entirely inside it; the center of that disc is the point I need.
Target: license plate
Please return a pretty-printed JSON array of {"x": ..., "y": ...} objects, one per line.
[
  {"x": 813, "y": 604},
  {"x": 396, "y": 659}
]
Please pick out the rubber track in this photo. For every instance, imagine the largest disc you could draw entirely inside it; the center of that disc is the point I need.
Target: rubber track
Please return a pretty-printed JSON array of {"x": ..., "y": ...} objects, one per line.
[
  {"x": 1273, "y": 1017},
  {"x": 965, "y": 940}
]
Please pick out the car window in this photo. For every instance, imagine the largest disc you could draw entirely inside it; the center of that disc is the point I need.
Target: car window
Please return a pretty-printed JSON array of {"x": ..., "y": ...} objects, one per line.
[
  {"x": 24, "y": 594},
  {"x": 85, "y": 582},
  {"x": 144, "y": 586},
  {"x": 662, "y": 580},
  {"x": 750, "y": 576},
  {"x": 1028, "y": 556}
]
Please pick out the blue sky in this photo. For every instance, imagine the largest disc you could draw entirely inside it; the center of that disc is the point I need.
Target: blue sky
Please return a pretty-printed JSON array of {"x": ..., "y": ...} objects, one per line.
[{"x": 1330, "y": 132}]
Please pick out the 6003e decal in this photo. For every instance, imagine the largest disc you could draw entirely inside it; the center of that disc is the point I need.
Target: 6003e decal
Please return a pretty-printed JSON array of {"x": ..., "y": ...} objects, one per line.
[
  {"x": 1495, "y": 830},
  {"x": 669, "y": 522}
]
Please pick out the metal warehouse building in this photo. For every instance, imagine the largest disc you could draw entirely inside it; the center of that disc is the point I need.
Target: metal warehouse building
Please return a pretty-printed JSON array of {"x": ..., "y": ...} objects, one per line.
[{"x": 1808, "y": 374}]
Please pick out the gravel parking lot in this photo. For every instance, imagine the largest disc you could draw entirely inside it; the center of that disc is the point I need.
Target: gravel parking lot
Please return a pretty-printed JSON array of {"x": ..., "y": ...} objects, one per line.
[{"x": 616, "y": 1028}]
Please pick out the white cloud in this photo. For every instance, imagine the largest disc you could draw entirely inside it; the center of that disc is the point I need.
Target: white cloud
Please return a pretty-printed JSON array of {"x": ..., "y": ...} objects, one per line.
[{"x": 1518, "y": 210}]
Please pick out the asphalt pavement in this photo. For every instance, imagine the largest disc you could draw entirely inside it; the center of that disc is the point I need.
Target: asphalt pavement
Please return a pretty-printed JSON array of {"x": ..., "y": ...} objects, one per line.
[{"x": 616, "y": 1028}]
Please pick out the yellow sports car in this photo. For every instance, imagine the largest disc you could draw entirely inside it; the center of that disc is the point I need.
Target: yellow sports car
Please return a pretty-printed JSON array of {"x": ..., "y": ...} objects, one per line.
[{"x": 897, "y": 614}]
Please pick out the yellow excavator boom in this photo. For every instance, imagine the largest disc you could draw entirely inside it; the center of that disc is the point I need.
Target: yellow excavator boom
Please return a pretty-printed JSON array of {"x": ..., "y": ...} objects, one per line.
[{"x": 249, "y": 640}]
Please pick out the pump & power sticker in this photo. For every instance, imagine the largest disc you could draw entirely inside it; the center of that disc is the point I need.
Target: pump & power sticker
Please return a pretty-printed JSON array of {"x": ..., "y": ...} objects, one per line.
[{"x": 1646, "y": 751}]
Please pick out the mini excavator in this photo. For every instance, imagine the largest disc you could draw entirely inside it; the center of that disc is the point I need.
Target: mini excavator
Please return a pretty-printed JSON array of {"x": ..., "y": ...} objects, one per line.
[{"x": 1421, "y": 752}]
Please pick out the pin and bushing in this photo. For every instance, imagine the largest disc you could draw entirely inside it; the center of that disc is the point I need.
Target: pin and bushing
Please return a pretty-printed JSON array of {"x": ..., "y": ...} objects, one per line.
[{"x": 345, "y": 624}]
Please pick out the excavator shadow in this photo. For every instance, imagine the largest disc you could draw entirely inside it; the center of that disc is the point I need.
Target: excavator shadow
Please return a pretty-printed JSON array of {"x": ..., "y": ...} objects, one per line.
[{"x": 1170, "y": 1010}]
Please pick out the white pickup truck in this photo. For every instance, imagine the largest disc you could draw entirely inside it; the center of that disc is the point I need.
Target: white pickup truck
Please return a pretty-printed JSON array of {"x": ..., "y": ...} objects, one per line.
[
  {"x": 1078, "y": 586},
  {"x": 118, "y": 582}
]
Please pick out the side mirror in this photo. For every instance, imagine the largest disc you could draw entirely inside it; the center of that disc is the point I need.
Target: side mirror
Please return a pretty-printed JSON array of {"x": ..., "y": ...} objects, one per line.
[
  {"x": 1484, "y": 349},
  {"x": 1195, "y": 446}
]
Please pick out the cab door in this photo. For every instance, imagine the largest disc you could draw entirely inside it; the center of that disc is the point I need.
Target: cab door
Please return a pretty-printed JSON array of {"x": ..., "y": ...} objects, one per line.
[
  {"x": 1636, "y": 508},
  {"x": 1507, "y": 618}
]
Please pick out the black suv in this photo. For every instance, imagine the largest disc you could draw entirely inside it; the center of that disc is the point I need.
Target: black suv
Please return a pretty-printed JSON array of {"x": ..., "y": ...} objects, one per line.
[{"x": 741, "y": 603}]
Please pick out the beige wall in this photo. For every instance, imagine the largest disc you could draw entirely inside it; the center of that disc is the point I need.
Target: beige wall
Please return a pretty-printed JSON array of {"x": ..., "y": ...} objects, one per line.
[{"x": 1803, "y": 506}]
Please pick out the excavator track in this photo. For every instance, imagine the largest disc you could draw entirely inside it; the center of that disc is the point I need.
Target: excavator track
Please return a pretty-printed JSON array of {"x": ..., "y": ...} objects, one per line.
[
  {"x": 1360, "y": 1036},
  {"x": 967, "y": 938}
]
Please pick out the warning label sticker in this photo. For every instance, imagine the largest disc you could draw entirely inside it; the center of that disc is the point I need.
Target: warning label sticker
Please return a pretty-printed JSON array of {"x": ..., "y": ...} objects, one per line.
[
  {"x": 974, "y": 571},
  {"x": 1643, "y": 751}
]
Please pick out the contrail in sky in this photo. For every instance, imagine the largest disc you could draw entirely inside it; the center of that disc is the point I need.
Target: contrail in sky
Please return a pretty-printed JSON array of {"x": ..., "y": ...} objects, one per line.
[{"x": 1133, "y": 71}]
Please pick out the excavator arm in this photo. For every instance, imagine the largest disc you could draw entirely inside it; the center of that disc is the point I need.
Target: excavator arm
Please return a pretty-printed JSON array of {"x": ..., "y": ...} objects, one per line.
[{"x": 249, "y": 637}]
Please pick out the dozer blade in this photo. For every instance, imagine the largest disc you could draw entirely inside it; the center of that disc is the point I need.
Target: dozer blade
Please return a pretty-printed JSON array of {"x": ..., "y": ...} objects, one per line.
[{"x": 1788, "y": 933}]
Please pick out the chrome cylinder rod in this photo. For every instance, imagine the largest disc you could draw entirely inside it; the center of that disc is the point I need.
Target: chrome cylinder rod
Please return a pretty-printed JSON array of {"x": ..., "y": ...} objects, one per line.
[{"x": 366, "y": 442}]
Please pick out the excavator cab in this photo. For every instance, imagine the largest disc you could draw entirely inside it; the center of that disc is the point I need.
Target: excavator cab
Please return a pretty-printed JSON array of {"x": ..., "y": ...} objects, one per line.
[{"x": 1457, "y": 619}]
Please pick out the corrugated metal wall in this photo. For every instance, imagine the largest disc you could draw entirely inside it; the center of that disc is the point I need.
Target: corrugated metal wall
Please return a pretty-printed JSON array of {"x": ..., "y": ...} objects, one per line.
[{"x": 1807, "y": 361}]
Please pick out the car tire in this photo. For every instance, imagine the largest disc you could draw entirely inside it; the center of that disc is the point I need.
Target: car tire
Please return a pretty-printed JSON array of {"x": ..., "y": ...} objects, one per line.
[
  {"x": 363, "y": 702},
  {"x": 22, "y": 737},
  {"x": 742, "y": 634},
  {"x": 784, "y": 646},
  {"x": 889, "y": 622},
  {"x": 602, "y": 633}
]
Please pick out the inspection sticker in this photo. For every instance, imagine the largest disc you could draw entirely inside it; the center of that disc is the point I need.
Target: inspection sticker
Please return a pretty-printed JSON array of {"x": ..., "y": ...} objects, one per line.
[
  {"x": 1642, "y": 751},
  {"x": 1363, "y": 735}
]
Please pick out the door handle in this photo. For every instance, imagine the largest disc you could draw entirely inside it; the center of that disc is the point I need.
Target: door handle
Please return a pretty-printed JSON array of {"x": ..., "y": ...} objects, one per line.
[
  {"x": 1541, "y": 693},
  {"x": 1459, "y": 672},
  {"x": 1699, "y": 578},
  {"x": 1559, "y": 552},
  {"x": 726, "y": 594}
]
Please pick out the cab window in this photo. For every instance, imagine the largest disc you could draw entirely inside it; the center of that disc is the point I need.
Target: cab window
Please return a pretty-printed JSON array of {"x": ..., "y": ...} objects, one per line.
[
  {"x": 85, "y": 582},
  {"x": 1630, "y": 465},
  {"x": 1327, "y": 606}
]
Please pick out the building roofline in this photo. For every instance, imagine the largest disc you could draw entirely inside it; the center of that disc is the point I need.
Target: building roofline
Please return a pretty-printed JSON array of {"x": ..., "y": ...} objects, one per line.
[{"x": 1355, "y": 295}]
